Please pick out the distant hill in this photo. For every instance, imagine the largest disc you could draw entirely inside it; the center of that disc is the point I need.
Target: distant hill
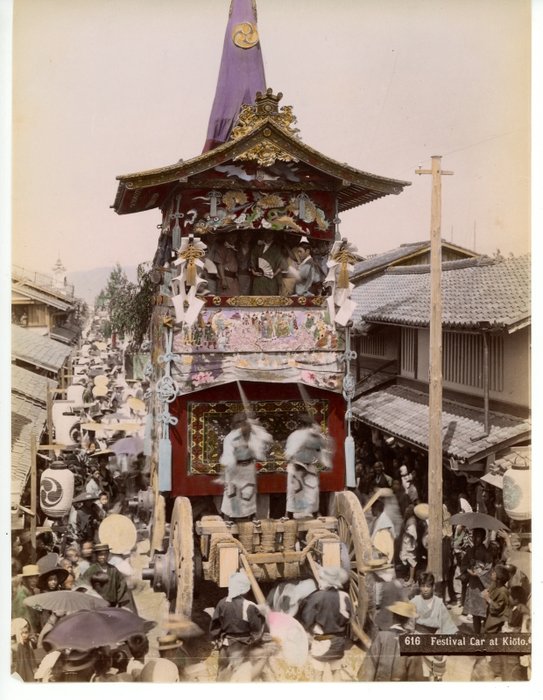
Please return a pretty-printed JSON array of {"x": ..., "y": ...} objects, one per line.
[{"x": 89, "y": 283}]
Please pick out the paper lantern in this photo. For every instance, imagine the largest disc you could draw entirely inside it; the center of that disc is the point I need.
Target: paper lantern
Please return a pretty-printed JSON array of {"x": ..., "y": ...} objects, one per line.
[
  {"x": 75, "y": 393},
  {"x": 56, "y": 490},
  {"x": 63, "y": 421},
  {"x": 517, "y": 493}
]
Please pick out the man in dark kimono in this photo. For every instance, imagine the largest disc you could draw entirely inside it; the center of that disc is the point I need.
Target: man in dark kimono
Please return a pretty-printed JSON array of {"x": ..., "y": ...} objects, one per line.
[
  {"x": 108, "y": 581},
  {"x": 239, "y": 627},
  {"x": 266, "y": 263},
  {"x": 325, "y": 615}
]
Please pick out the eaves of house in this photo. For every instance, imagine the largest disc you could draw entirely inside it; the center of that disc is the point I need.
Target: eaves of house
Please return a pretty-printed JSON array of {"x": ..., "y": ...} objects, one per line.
[
  {"x": 493, "y": 294},
  {"x": 37, "y": 350},
  {"x": 403, "y": 412}
]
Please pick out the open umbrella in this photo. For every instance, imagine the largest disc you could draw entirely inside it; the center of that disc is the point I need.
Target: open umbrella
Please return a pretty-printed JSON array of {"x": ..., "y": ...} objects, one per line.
[
  {"x": 65, "y": 602},
  {"x": 137, "y": 405},
  {"x": 132, "y": 445},
  {"x": 89, "y": 629},
  {"x": 473, "y": 520},
  {"x": 291, "y": 636}
]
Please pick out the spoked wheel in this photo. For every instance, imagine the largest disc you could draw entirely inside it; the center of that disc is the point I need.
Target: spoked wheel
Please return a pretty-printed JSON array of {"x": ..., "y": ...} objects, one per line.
[
  {"x": 354, "y": 534},
  {"x": 182, "y": 542},
  {"x": 158, "y": 525}
]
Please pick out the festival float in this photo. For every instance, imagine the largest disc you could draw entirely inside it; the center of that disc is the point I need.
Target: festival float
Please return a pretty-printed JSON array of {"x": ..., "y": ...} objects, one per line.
[{"x": 228, "y": 342}]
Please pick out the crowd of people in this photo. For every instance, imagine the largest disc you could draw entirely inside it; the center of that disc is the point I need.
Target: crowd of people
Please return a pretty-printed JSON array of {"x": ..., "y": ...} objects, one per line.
[
  {"x": 67, "y": 554},
  {"x": 480, "y": 589}
]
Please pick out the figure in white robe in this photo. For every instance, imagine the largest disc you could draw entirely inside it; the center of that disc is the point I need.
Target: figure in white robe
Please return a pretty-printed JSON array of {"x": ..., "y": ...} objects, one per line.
[
  {"x": 244, "y": 445},
  {"x": 307, "y": 449}
]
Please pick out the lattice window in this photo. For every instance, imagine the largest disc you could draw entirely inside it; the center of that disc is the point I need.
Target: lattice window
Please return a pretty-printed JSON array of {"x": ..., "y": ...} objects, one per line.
[
  {"x": 463, "y": 360},
  {"x": 409, "y": 351},
  {"x": 372, "y": 345}
]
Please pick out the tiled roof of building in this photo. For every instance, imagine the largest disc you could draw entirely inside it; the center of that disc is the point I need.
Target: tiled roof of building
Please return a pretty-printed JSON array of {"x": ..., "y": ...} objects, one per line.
[
  {"x": 403, "y": 412},
  {"x": 37, "y": 350},
  {"x": 30, "y": 384},
  {"x": 383, "y": 260},
  {"x": 63, "y": 334},
  {"x": 496, "y": 291},
  {"x": 31, "y": 292}
]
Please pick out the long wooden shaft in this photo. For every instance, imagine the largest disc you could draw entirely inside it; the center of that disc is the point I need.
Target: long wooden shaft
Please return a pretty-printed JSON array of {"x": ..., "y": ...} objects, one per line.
[
  {"x": 33, "y": 488},
  {"x": 260, "y": 597},
  {"x": 435, "y": 449}
]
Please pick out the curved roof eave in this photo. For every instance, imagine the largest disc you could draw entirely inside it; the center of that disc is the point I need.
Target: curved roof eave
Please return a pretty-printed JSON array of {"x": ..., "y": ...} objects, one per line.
[{"x": 355, "y": 187}]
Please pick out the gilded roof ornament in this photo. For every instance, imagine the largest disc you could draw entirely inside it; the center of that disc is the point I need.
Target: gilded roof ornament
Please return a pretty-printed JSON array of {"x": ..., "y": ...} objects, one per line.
[{"x": 251, "y": 116}]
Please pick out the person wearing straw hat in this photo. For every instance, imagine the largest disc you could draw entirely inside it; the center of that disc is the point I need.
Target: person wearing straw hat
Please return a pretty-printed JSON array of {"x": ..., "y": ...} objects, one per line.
[
  {"x": 51, "y": 579},
  {"x": 383, "y": 661},
  {"x": 27, "y": 587},
  {"x": 171, "y": 647},
  {"x": 82, "y": 519},
  {"x": 108, "y": 581}
]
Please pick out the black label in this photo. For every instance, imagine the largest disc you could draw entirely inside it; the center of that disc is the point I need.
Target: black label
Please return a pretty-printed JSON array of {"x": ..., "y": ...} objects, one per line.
[{"x": 468, "y": 644}]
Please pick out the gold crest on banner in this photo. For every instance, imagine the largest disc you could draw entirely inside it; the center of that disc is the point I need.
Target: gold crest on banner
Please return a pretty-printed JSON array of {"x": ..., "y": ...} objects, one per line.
[{"x": 245, "y": 35}]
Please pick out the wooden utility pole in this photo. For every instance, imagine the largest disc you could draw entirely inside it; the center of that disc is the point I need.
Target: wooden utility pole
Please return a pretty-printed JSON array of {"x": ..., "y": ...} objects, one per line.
[
  {"x": 435, "y": 380},
  {"x": 33, "y": 489}
]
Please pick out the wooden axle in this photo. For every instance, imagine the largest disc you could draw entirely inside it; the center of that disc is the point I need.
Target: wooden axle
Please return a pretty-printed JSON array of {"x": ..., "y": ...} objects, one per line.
[{"x": 212, "y": 526}]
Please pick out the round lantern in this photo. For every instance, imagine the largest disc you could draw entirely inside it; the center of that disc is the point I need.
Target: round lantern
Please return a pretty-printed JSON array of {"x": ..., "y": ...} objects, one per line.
[
  {"x": 56, "y": 490},
  {"x": 517, "y": 493}
]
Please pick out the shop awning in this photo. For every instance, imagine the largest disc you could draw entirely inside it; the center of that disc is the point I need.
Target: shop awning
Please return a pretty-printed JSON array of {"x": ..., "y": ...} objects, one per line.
[{"x": 403, "y": 412}]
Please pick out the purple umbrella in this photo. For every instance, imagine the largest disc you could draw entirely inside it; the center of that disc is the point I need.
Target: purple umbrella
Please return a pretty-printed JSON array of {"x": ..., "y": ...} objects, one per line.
[
  {"x": 89, "y": 629},
  {"x": 66, "y": 602},
  {"x": 132, "y": 445}
]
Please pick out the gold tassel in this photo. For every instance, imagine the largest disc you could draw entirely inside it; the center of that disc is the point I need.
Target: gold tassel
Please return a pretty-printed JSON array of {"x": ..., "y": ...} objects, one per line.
[
  {"x": 191, "y": 273},
  {"x": 343, "y": 277}
]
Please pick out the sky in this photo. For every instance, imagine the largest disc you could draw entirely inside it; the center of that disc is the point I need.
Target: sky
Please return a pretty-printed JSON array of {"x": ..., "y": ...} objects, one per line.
[{"x": 109, "y": 87}]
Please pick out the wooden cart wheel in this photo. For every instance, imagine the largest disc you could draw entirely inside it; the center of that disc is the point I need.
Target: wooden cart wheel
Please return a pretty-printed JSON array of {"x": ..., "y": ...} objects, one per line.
[
  {"x": 158, "y": 525},
  {"x": 182, "y": 541},
  {"x": 353, "y": 532}
]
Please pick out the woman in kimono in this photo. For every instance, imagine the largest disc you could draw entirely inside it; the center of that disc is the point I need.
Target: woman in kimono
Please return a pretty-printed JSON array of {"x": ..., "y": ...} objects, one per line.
[
  {"x": 498, "y": 599},
  {"x": 475, "y": 570}
]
